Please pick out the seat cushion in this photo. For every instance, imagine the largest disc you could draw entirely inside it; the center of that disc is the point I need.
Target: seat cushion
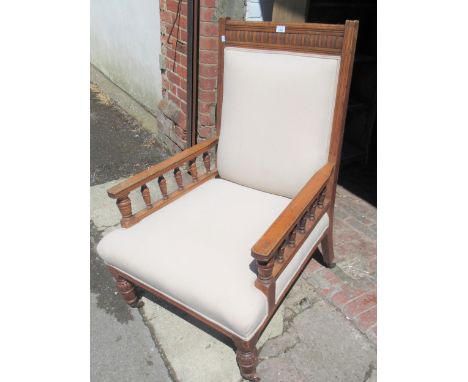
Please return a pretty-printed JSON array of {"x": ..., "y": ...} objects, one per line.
[
  {"x": 196, "y": 250},
  {"x": 276, "y": 118}
]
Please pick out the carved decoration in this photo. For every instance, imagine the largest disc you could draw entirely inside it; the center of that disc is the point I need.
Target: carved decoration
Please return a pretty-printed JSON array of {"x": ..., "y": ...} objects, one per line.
[
  {"x": 193, "y": 170},
  {"x": 178, "y": 178},
  {"x": 145, "y": 192},
  {"x": 207, "y": 161},
  {"x": 163, "y": 186}
]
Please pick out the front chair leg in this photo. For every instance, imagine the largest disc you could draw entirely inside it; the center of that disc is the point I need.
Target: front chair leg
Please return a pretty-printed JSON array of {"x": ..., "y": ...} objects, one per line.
[
  {"x": 247, "y": 359},
  {"x": 127, "y": 291},
  {"x": 327, "y": 249}
]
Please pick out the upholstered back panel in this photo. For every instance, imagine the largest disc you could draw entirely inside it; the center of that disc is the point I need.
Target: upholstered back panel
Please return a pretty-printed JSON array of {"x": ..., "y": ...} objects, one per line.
[{"x": 276, "y": 118}]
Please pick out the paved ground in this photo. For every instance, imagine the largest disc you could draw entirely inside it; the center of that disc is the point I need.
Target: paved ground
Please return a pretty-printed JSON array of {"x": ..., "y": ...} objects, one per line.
[
  {"x": 326, "y": 330},
  {"x": 121, "y": 345}
]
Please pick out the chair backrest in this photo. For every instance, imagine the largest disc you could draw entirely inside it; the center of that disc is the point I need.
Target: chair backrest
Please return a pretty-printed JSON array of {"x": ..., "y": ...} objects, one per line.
[{"x": 281, "y": 94}]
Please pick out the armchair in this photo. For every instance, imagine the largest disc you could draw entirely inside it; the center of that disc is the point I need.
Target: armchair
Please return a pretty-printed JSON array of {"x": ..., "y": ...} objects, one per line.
[{"x": 228, "y": 244}]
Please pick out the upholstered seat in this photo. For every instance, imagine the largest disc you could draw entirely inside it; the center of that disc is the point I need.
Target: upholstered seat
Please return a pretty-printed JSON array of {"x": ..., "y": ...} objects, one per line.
[{"x": 197, "y": 251}]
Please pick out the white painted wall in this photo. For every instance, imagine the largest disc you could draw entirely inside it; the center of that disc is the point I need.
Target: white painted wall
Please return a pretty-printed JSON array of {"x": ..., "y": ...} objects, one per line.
[
  {"x": 259, "y": 10},
  {"x": 125, "y": 46}
]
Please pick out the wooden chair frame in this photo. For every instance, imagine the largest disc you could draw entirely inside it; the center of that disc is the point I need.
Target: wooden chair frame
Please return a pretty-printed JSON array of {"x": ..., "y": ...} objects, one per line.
[{"x": 278, "y": 245}]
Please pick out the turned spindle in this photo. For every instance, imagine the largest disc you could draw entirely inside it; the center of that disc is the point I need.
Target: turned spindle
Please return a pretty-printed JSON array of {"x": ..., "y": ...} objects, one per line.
[
  {"x": 311, "y": 212},
  {"x": 292, "y": 238},
  {"x": 178, "y": 178},
  {"x": 207, "y": 161},
  {"x": 302, "y": 224},
  {"x": 280, "y": 256},
  {"x": 145, "y": 192},
  {"x": 265, "y": 270},
  {"x": 193, "y": 170},
  {"x": 163, "y": 186},
  {"x": 125, "y": 208},
  {"x": 321, "y": 198}
]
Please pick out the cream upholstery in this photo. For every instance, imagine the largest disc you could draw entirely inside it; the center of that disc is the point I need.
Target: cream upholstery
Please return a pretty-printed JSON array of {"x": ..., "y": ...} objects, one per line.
[
  {"x": 276, "y": 118},
  {"x": 301, "y": 256},
  {"x": 197, "y": 251}
]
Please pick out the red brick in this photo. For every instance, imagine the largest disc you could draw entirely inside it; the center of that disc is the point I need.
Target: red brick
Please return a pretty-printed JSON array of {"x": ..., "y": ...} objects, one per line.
[
  {"x": 183, "y": 84},
  {"x": 183, "y": 123},
  {"x": 208, "y": 3},
  {"x": 205, "y": 132},
  {"x": 170, "y": 52},
  {"x": 181, "y": 71},
  {"x": 208, "y": 29},
  {"x": 207, "y": 14},
  {"x": 207, "y": 83},
  {"x": 181, "y": 59},
  {"x": 165, "y": 83},
  {"x": 209, "y": 43},
  {"x": 325, "y": 292},
  {"x": 182, "y": 94},
  {"x": 181, "y": 47},
  {"x": 167, "y": 17},
  {"x": 207, "y": 96},
  {"x": 172, "y": 77},
  {"x": 205, "y": 119},
  {"x": 345, "y": 295},
  {"x": 366, "y": 319},
  {"x": 172, "y": 5},
  {"x": 174, "y": 99},
  {"x": 313, "y": 266},
  {"x": 183, "y": 9},
  {"x": 208, "y": 71},
  {"x": 183, "y": 22},
  {"x": 331, "y": 278},
  {"x": 360, "y": 304},
  {"x": 181, "y": 133},
  {"x": 205, "y": 107},
  {"x": 208, "y": 57},
  {"x": 183, "y": 35}
]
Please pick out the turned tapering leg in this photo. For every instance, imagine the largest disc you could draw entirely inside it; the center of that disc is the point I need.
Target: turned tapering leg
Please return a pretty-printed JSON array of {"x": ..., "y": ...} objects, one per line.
[
  {"x": 327, "y": 248},
  {"x": 127, "y": 291},
  {"x": 247, "y": 359}
]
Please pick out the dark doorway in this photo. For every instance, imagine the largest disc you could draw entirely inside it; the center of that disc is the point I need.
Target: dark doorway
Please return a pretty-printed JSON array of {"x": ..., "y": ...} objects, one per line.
[{"x": 358, "y": 172}]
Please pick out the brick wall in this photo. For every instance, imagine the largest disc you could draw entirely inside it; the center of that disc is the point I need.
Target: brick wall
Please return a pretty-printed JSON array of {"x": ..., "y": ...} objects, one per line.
[{"x": 174, "y": 68}]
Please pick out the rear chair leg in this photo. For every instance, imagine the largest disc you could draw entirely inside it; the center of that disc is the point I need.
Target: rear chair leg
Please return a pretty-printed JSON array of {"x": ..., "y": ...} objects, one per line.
[
  {"x": 247, "y": 359},
  {"x": 327, "y": 249},
  {"x": 127, "y": 291}
]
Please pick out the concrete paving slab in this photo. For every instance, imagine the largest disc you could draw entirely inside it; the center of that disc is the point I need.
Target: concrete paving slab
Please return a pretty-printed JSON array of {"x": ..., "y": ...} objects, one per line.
[
  {"x": 319, "y": 345},
  {"x": 123, "y": 351},
  {"x": 195, "y": 352}
]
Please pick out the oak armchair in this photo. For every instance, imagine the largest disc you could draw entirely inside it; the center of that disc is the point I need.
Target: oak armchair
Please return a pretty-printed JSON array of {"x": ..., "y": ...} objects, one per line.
[{"x": 253, "y": 203}]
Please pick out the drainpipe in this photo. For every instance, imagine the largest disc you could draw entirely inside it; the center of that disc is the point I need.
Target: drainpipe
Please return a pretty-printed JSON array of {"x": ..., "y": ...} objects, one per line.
[{"x": 192, "y": 71}]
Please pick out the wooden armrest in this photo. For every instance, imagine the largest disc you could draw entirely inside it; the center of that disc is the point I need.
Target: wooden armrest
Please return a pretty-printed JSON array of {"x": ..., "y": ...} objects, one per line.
[
  {"x": 153, "y": 172},
  {"x": 265, "y": 248},
  {"x": 121, "y": 191}
]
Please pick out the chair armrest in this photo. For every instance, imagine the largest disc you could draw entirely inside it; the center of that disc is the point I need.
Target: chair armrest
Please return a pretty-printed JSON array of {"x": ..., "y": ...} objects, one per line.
[
  {"x": 270, "y": 241},
  {"x": 121, "y": 191},
  {"x": 282, "y": 233},
  {"x": 159, "y": 169}
]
